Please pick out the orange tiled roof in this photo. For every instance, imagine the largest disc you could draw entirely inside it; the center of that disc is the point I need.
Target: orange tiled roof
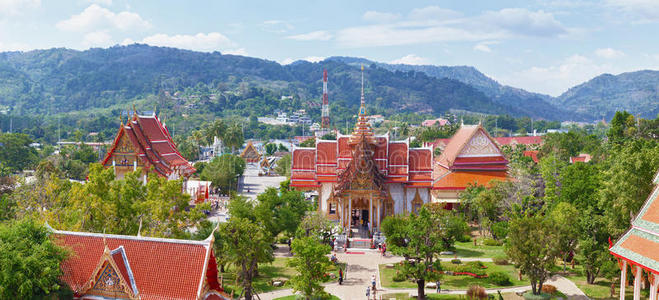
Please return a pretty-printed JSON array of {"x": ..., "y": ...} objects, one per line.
[
  {"x": 459, "y": 180},
  {"x": 160, "y": 268},
  {"x": 640, "y": 244},
  {"x": 532, "y": 154}
]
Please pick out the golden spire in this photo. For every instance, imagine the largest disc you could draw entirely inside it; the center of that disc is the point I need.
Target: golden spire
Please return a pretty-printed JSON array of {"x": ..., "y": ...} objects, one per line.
[
  {"x": 362, "y": 128},
  {"x": 362, "y": 107}
]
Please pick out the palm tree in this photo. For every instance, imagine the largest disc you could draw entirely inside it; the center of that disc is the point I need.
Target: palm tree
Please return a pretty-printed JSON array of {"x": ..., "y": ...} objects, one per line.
[{"x": 234, "y": 137}]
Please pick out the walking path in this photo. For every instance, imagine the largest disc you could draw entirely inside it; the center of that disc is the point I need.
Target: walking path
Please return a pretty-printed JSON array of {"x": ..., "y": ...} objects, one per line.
[{"x": 360, "y": 268}]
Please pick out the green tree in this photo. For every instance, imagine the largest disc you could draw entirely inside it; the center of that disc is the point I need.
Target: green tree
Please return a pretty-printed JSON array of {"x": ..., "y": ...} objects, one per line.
[
  {"x": 234, "y": 137},
  {"x": 247, "y": 245},
  {"x": 270, "y": 148},
  {"x": 223, "y": 171},
  {"x": 419, "y": 241},
  {"x": 216, "y": 129},
  {"x": 29, "y": 262},
  {"x": 311, "y": 142},
  {"x": 317, "y": 225},
  {"x": 283, "y": 166},
  {"x": 16, "y": 153},
  {"x": 531, "y": 246},
  {"x": 281, "y": 211},
  {"x": 623, "y": 125},
  {"x": 565, "y": 216},
  {"x": 311, "y": 263}
]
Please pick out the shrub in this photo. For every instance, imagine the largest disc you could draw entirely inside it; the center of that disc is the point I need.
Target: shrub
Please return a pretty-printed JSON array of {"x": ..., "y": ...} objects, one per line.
[
  {"x": 456, "y": 261},
  {"x": 464, "y": 238},
  {"x": 500, "y": 230},
  {"x": 491, "y": 242},
  {"x": 548, "y": 289},
  {"x": 476, "y": 264},
  {"x": 500, "y": 260},
  {"x": 529, "y": 296},
  {"x": 499, "y": 278},
  {"x": 398, "y": 277},
  {"x": 476, "y": 292}
]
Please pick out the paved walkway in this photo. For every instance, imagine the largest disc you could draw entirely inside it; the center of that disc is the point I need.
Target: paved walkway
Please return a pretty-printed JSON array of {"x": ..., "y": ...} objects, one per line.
[
  {"x": 254, "y": 184},
  {"x": 567, "y": 287}
]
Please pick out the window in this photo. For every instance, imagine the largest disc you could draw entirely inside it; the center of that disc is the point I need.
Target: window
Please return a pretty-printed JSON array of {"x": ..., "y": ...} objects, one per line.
[{"x": 332, "y": 208}]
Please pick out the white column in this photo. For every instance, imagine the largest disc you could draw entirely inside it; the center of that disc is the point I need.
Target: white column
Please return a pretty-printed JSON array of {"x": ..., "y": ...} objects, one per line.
[
  {"x": 370, "y": 213},
  {"x": 339, "y": 208},
  {"x": 637, "y": 283},
  {"x": 653, "y": 287},
  {"x": 349, "y": 212},
  {"x": 623, "y": 279},
  {"x": 379, "y": 215},
  {"x": 135, "y": 165}
]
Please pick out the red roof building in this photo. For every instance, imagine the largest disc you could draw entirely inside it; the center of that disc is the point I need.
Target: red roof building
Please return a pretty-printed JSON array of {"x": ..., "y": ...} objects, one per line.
[
  {"x": 533, "y": 154},
  {"x": 583, "y": 157},
  {"x": 638, "y": 248},
  {"x": 533, "y": 141},
  {"x": 105, "y": 266},
  {"x": 440, "y": 122},
  {"x": 144, "y": 142},
  {"x": 363, "y": 177},
  {"x": 470, "y": 157}
]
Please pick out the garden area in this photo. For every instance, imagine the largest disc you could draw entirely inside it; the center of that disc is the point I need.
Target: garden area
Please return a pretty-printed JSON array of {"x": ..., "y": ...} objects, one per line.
[
  {"x": 482, "y": 250},
  {"x": 278, "y": 270},
  {"x": 497, "y": 276}
]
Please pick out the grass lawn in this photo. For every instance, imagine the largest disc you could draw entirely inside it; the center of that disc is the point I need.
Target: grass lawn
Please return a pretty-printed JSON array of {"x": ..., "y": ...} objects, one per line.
[
  {"x": 405, "y": 296},
  {"x": 461, "y": 282},
  {"x": 467, "y": 249},
  {"x": 293, "y": 297},
  {"x": 267, "y": 272},
  {"x": 601, "y": 289}
]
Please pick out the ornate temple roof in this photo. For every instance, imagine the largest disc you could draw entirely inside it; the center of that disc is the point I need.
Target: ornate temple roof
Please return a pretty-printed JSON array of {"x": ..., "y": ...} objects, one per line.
[
  {"x": 153, "y": 268},
  {"x": 153, "y": 145},
  {"x": 640, "y": 244},
  {"x": 470, "y": 157}
]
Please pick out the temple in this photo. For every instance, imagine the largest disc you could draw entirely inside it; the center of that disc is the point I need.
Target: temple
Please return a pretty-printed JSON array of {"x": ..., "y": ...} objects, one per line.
[
  {"x": 144, "y": 142},
  {"x": 638, "y": 248},
  {"x": 250, "y": 154},
  {"x": 363, "y": 177},
  {"x": 105, "y": 266},
  {"x": 470, "y": 157}
]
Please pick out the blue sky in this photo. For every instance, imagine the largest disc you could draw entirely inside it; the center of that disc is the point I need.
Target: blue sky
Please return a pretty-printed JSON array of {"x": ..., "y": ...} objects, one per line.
[{"x": 541, "y": 46}]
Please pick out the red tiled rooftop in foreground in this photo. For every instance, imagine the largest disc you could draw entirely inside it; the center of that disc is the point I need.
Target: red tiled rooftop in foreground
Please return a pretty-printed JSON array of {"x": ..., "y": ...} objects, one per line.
[{"x": 161, "y": 268}]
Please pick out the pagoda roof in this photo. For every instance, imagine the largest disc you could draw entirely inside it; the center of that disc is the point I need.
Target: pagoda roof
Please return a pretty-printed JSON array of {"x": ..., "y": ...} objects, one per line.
[
  {"x": 154, "y": 145},
  {"x": 153, "y": 268},
  {"x": 640, "y": 244}
]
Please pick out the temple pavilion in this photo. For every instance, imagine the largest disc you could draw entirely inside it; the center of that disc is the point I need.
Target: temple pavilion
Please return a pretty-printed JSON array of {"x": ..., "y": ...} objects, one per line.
[
  {"x": 144, "y": 142},
  {"x": 363, "y": 177},
  {"x": 638, "y": 248},
  {"x": 106, "y": 266}
]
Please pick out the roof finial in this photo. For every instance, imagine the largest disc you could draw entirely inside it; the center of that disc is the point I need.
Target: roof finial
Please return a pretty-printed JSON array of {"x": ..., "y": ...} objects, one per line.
[
  {"x": 121, "y": 121},
  {"x": 105, "y": 242},
  {"x": 154, "y": 110},
  {"x": 134, "y": 110}
]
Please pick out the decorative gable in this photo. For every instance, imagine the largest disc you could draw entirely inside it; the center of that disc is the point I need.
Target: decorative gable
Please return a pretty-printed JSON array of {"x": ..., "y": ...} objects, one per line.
[
  {"x": 480, "y": 145},
  {"x": 113, "y": 277}
]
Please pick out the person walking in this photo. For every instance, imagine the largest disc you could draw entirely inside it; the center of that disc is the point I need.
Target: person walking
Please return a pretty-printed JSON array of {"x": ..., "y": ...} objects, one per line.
[
  {"x": 340, "y": 276},
  {"x": 439, "y": 286},
  {"x": 368, "y": 292},
  {"x": 373, "y": 282}
]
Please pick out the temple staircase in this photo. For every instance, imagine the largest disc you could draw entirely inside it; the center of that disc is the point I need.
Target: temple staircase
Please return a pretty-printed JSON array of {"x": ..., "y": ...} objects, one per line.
[{"x": 360, "y": 238}]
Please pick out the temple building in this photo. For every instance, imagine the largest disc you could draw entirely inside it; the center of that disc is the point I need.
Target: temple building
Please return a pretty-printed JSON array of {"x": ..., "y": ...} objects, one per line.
[
  {"x": 105, "y": 266},
  {"x": 144, "y": 142},
  {"x": 470, "y": 157},
  {"x": 362, "y": 177},
  {"x": 250, "y": 154},
  {"x": 638, "y": 248}
]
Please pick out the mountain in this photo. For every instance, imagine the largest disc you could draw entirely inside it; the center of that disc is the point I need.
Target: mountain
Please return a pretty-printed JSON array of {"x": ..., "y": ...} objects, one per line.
[
  {"x": 528, "y": 103},
  {"x": 636, "y": 92}
]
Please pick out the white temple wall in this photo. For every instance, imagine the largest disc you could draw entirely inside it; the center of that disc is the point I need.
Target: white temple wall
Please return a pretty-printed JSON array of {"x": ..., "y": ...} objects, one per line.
[
  {"x": 325, "y": 193},
  {"x": 411, "y": 192},
  {"x": 398, "y": 195}
]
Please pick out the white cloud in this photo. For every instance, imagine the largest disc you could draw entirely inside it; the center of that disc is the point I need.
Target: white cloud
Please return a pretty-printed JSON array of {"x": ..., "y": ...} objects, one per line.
[
  {"x": 482, "y": 47},
  {"x": 411, "y": 59},
  {"x": 16, "y": 7},
  {"x": 647, "y": 10},
  {"x": 207, "y": 42},
  {"x": 277, "y": 26},
  {"x": 556, "y": 79},
  {"x": 104, "y": 2},
  {"x": 96, "y": 17},
  {"x": 99, "y": 38},
  {"x": 609, "y": 53},
  {"x": 434, "y": 24},
  {"x": 379, "y": 17},
  {"x": 433, "y": 13},
  {"x": 320, "y": 35}
]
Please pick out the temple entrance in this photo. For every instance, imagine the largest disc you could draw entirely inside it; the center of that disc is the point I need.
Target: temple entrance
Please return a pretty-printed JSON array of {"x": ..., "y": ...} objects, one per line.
[
  {"x": 364, "y": 217},
  {"x": 359, "y": 218}
]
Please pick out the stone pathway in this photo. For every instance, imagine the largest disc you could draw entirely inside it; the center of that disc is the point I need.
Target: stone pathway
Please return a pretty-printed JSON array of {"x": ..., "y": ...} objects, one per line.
[{"x": 567, "y": 287}]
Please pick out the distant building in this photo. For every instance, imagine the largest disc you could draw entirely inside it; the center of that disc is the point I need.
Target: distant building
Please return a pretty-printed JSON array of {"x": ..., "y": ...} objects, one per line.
[
  {"x": 583, "y": 157},
  {"x": 250, "y": 154},
  {"x": 532, "y": 141},
  {"x": 439, "y": 122},
  {"x": 533, "y": 154},
  {"x": 144, "y": 142}
]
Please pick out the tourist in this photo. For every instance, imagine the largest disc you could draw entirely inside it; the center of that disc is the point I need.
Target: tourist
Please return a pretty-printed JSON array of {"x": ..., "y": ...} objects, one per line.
[
  {"x": 334, "y": 259},
  {"x": 340, "y": 276},
  {"x": 384, "y": 250},
  {"x": 368, "y": 292},
  {"x": 373, "y": 281},
  {"x": 439, "y": 286}
]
